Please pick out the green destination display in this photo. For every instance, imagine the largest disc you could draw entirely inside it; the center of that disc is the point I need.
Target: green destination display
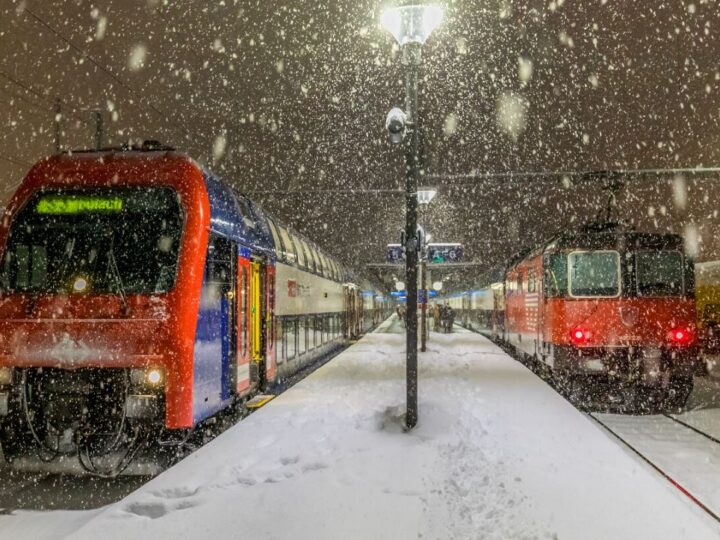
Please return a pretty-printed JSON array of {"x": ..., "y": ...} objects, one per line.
[{"x": 73, "y": 204}]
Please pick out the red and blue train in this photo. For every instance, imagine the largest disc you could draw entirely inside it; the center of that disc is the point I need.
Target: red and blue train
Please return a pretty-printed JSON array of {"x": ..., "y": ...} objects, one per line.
[{"x": 141, "y": 295}]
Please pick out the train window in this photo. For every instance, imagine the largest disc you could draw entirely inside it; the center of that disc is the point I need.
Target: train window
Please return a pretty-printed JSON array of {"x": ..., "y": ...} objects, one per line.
[
  {"x": 318, "y": 262},
  {"x": 289, "y": 249},
  {"x": 290, "y": 341},
  {"x": 659, "y": 273},
  {"x": 247, "y": 215},
  {"x": 308, "y": 256},
  {"x": 594, "y": 273},
  {"x": 302, "y": 336},
  {"x": 276, "y": 239},
  {"x": 341, "y": 273},
  {"x": 279, "y": 340},
  {"x": 118, "y": 241},
  {"x": 218, "y": 266},
  {"x": 326, "y": 265},
  {"x": 531, "y": 280},
  {"x": 556, "y": 275},
  {"x": 300, "y": 251}
]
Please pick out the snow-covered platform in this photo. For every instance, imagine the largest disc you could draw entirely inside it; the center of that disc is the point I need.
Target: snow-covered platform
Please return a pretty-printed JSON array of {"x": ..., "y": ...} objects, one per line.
[{"x": 496, "y": 454}]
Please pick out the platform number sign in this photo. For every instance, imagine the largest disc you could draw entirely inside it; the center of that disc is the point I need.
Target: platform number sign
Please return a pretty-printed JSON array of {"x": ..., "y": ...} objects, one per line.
[
  {"x": 395, "y": 253},
  {"x": 445, "y": 253}
]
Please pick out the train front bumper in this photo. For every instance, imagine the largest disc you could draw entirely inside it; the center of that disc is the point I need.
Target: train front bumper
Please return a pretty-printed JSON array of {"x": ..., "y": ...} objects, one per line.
[{"x": 649, "y": 362}]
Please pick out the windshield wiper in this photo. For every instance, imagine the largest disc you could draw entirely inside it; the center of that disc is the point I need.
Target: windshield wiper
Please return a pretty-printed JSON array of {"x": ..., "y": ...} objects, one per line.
[{"x": 115, "y": 271}]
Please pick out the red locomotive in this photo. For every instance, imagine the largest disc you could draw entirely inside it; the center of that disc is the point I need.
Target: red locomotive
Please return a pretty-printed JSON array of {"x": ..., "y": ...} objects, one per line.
[{"x": 606, "y": 303}]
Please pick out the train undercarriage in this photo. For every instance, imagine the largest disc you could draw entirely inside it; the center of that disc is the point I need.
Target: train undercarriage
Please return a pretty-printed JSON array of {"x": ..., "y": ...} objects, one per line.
[
  {"x": 628, "y": 379},
  {"x": 92, "y": 421}
]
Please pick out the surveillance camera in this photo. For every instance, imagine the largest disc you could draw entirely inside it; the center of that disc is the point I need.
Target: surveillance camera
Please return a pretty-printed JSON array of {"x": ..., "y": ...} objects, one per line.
[{"x": 395, "y": 125}]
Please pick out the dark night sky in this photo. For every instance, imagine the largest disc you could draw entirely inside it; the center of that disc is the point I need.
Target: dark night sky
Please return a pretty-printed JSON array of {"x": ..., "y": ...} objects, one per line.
[{"x": 298, "y": 92}]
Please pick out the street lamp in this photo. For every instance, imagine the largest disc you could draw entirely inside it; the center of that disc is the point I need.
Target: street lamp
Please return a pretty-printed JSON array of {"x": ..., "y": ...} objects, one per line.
[{"x": 411, "y": 25}]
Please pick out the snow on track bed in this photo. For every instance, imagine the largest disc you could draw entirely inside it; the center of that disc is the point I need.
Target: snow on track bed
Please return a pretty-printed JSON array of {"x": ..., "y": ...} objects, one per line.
[
  {"x": 684, "y": 448},
  {"x": 497, "y": 454},
  {"x": 687, "y": 457}
]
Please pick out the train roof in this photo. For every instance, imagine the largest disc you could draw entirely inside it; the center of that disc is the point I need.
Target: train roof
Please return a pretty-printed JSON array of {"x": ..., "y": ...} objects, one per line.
[
  {"x": 630, "y": 239},
  {"x": 233, "y": 214},
  {"x": 596, "y": 236}
]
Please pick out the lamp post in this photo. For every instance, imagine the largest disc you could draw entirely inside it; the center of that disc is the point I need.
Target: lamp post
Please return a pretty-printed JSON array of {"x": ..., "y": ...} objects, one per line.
[
  {"x": 424, "y": 196},
  {"x": 411, "y": 25}
]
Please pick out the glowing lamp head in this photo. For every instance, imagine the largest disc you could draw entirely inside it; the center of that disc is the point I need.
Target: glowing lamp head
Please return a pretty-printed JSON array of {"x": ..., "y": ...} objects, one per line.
[
  {"x": 80, "y": 284},
  {"x": 411, "y": 24}
]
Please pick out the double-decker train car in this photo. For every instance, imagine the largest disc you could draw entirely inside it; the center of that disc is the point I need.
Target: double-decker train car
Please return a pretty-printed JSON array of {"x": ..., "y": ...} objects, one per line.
[
  {"x": 605, "y": 301},
  {"x": 141, "y": 296},
  {"x": 481, "y": 309}
]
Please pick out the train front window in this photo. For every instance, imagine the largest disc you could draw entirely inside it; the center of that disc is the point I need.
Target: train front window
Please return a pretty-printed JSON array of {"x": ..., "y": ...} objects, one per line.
[
  {"x": 107, "y": 241},
  {"x": 659, "y": 273},
  {"x": 556, "y": 282},
  {"x": 594, "y": 273}
]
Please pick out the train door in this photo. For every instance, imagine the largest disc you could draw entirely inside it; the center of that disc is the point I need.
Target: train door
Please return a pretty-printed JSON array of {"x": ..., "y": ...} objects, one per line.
[
  {"x": 269, "y": 330},
  {"x": 244, "y": 381},
  {"x": 216, "y": 332},
  {"x": 257, "y": 312}
]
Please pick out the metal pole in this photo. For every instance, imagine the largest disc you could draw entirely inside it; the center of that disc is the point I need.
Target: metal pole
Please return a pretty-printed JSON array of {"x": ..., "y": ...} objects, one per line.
[
  {"x": 423, "y": 317},
  {"x": 98, "y": 129},
  {"x": 58, "y": 118},
  {"x": 411, "y": 58}
]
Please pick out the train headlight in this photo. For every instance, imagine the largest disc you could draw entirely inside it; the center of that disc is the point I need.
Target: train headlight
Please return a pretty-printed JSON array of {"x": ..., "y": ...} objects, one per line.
[
  {"x": 6, "y": 376},
  {"x": 149, "y": 377},
  {"x": 154, "y": 377}
]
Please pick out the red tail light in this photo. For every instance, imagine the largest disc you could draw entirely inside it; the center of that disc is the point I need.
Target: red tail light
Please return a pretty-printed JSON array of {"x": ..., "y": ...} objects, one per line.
[
  {"x": 579, "y": 336},
  {"x": 680, "y": 336}
]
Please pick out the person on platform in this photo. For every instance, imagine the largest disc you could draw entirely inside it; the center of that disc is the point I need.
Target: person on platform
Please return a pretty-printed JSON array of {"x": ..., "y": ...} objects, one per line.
[
  {"x": 444, "y": 314},
  {"x": 436, "y": 317}
]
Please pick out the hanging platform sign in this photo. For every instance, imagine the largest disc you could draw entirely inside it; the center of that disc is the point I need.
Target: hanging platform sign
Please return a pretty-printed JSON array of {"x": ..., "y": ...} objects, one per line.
[
  {"x": 395, "y": 253},
  {"x": 444, "y": 253}
]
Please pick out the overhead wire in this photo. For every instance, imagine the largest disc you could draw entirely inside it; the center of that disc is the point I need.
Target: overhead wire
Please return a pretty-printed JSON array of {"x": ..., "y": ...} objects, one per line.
[
  {"x": 46, "y": 99},
  {"x": 16, "y": 161},
  {"x": 141, "y": 99}
]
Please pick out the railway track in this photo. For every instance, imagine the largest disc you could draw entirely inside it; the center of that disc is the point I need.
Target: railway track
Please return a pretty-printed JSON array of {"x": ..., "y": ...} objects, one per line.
[{"x": 685, "y": 456}]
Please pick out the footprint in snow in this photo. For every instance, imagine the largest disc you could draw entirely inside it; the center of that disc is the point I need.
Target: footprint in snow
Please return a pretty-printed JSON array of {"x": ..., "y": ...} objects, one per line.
[
  {"x": 158, "y": 509},
  {"x": 317, "y": 466},
  {"x": 179, "y": 492}
]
